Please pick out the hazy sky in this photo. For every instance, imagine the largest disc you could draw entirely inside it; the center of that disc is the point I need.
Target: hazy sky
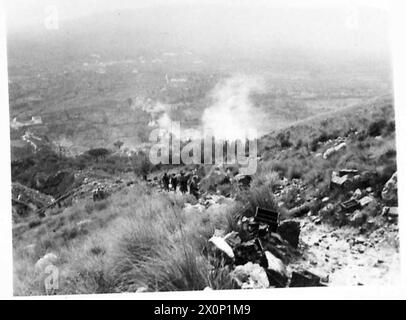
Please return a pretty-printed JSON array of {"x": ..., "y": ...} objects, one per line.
[
  {"x": 27, "y": 12},
  {"x": 22, "y": 13},
  {"x": 353, "y": 27}
]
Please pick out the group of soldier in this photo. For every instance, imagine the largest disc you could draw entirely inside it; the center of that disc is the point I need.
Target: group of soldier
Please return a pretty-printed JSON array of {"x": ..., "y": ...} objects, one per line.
[
  {"x": 99, "y": 194},
  {"x": 186, "y": 183}
]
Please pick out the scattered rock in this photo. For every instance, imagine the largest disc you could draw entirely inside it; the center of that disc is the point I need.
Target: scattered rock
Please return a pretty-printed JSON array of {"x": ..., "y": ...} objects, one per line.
[
  {"x": 390, "y": 191},
  {"x": 342, "y": 182},
  {"x": 385, "y": 211},
  {"x": 328, "y": 209},
  {"x": 317, "y": 221},
  {"x": 329, "y": 152},
  {"x": 341, "y": 146},
  {"x": 301, "y": 210},
  {"x": 304, "y": 279},
  {"x": 250, "y": 276},
  {"x": 358, "y": 218},
  {"x": 84, "y": 222},
  {"x": 361, "y": 249},
  {"x": 214, "y": 199},
  {"x": 45, "y": 261},
  {"x": 359, "y": 240},
  {"x": 393, "y": 212},
  {"x": 366, "y": 201},
  {"x": 193, "y": 208},
  {"x": 222, "y": 245},
  {"x": 275, "y": 264},
  {"x": 290, "y": 231},
  {"x": 276, "y": 271},
  {"x": 357, "y": 194}
]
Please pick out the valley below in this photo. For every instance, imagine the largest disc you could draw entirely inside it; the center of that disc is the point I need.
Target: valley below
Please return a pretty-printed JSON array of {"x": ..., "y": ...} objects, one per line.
[{"x": 320, "y": 210}]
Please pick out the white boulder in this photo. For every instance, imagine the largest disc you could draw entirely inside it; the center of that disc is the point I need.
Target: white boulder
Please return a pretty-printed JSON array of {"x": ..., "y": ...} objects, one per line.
[
  {"x": 45, "y": 261},
  {"x": 251, "y": 276}
]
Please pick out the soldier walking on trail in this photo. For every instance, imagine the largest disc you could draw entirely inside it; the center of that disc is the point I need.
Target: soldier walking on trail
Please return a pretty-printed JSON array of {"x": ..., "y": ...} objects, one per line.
[
  {"x": 165, "y": 181},
  {"x": 183, "y": 183},
  {"x": 193, "y": 186},
  {"x": 98, "y": 194},
  {"x": 174, "y": 182}
]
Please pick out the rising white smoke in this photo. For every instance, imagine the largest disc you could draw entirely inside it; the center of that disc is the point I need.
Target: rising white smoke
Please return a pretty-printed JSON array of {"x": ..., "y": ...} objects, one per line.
[
  {"x": 165, "y": 122},
  {"x": 233, "y": 116}
]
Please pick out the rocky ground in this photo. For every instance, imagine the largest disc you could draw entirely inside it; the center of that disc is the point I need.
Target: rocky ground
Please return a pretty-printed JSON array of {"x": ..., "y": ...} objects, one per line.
[
  {"x": 302, "y": 247},
  {"x": 317, "y": 213},
  {"x": 348, "y": 258},
  {"x": 309, "y": 250}
]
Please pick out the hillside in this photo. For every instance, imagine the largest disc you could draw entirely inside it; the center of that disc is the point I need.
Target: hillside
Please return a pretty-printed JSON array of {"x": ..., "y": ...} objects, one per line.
[
  {"x": 142, "y": 238},
  {"x": 86, "y": 98}
]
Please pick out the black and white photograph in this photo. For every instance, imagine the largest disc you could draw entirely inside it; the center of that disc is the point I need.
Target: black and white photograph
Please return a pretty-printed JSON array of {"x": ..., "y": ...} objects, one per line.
[{"x": 185, "y": 146}]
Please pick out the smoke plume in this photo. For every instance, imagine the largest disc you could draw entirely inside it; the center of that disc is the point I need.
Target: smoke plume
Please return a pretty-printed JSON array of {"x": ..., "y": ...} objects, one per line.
[{"x": 233, "y": 116}]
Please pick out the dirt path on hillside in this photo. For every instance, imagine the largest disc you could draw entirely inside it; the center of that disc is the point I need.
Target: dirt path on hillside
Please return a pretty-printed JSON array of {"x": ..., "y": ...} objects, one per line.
[
  {"x": 342, "y": 256},
  {"x": 349, "y": 258}
]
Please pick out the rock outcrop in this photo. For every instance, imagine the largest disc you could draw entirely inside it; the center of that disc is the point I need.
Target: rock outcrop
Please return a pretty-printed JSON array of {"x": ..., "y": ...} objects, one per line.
[{"x": 390, "y": 190}]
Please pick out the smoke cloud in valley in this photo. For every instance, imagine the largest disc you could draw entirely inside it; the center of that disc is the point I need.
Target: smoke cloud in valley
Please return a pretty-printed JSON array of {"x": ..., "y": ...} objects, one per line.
[{"x": 232, "y": 115}]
